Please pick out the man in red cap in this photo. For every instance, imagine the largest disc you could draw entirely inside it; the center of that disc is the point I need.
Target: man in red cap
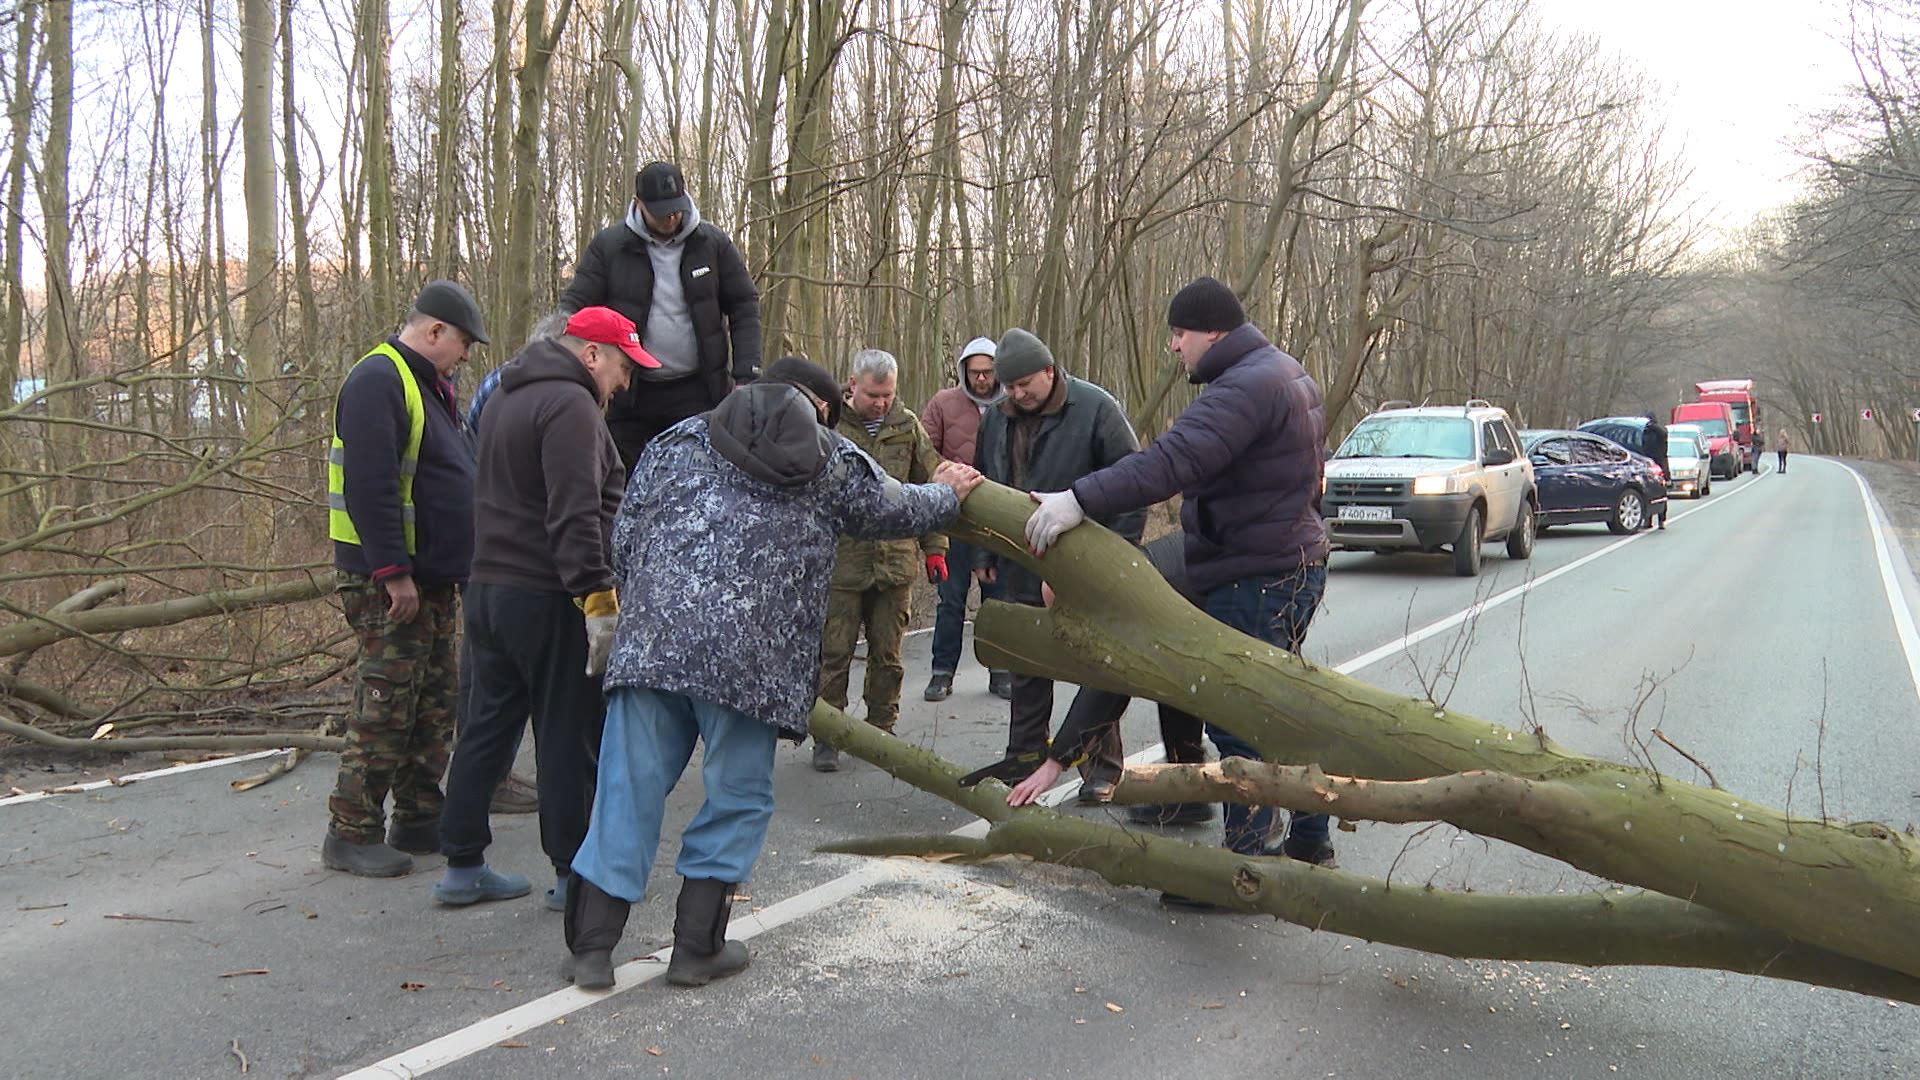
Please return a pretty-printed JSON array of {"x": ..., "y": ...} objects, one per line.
[{"x": 541, "y": 604}]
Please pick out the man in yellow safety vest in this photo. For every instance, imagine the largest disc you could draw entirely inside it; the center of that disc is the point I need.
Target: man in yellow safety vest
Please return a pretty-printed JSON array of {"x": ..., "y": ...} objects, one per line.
[{"x": 400, "y": 514}]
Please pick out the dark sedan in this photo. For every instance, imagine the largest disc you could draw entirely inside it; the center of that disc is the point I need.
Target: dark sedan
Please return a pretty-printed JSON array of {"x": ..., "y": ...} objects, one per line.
[{"x": 1582, "y": 477}]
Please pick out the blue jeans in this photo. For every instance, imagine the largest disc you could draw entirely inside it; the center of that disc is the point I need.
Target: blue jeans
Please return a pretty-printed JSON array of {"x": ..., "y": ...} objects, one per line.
[
  {"x": 949, "y": 620},
  {"x": 646, "y": 746},
  {"x": 1276, "y": 610}
]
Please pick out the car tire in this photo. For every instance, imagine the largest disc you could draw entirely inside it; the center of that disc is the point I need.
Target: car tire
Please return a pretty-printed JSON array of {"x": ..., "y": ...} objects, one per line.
[
  {"x": 1520, "y": 540},
  {"x": 1629, "y": 512},
  {"x": 1705, "y": 489},
  {"x": 1466, "y": 546}
]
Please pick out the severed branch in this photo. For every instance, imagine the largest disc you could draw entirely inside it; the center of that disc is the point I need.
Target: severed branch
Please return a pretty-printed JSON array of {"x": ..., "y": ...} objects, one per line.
[
  {"x": 1614, "y": 927},
  {"x": 1118, "y": 626},
  {"x": 85, "y": 600}
]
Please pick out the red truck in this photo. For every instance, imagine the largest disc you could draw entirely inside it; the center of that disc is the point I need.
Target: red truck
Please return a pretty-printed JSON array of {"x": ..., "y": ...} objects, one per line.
[{"x": 1738, "y": 396}]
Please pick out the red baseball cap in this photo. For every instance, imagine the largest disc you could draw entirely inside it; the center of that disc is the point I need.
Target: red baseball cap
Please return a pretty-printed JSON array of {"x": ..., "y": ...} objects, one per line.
[{"x": 609, "y": 327}]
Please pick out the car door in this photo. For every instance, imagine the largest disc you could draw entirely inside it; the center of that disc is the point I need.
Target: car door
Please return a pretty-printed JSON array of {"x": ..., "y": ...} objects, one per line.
[
  {"x": 1592, "y": 475},
  {"x": 1552, "y": 461},
  {"x": 1503, "y": 482},
  {"x": 1619, "y": 472}
]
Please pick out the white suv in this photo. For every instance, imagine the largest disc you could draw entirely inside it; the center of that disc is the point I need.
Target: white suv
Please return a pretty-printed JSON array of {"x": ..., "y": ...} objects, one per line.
[{"x": 1420, "y": 479}]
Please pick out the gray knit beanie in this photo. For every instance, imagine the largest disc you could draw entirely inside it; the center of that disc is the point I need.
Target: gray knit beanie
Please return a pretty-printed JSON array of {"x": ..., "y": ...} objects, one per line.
[{"x": 1020, "y": 355}]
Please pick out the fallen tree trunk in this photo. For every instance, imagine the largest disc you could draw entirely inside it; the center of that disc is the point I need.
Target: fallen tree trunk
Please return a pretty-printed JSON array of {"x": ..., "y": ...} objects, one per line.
[
  {"x": 1849, "y": 889},
  {"x": 1599, "y": 929},
  {"x": 42, "y": 630}
]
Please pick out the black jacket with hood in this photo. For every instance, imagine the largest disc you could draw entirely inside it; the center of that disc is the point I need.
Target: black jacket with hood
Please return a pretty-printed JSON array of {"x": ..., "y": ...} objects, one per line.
[
  {"x": 550, "y": 478},
  {"x": 617, "y": 272}
]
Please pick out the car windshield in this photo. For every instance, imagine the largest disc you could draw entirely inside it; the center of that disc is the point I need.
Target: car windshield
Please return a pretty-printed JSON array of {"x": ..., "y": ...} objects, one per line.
[
  {"x": 1410, "y": 436},
  {"x": 1714, "y": 428},
  {"x": 1682, "y": 446}
]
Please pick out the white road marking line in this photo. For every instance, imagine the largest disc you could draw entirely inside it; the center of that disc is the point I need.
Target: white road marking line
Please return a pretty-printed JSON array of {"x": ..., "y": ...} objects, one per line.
[
  {"x": 171, "y": 770},
  {"x": 477, "y": 1036},
  {"x": 1374, "y": 656},
  {"x": 473, "y": 1038},
  {"x": 1882, "y": 529}
]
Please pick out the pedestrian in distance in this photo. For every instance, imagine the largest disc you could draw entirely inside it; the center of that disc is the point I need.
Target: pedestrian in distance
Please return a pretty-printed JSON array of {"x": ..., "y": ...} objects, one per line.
[
  {"x": 685, "y": 286},
  {"x": 1051, "y": 430},
  {"x": 1653, "y": 446},
  {"x": 952, "y": 419},
  {"x": 723, "y": 547},
  {"x": 541, "y": 607},
  {"x": 872, "y": 588},
  {"x": 1782, "y": 443},
  {"x": 1246, "y": 459},
  {"x": 400, "y": 515}
]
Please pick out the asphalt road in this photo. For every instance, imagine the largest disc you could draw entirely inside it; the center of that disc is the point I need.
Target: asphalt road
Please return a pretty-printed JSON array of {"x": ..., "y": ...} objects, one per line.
[{"x": 1757, "y": 630}]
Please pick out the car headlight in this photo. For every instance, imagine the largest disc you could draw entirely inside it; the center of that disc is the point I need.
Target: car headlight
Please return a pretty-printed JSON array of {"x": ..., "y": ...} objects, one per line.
[{"x": 1434, "y": 485}]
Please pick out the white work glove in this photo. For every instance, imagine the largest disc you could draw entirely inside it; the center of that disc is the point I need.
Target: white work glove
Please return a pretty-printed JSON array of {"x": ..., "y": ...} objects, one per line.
[
  {"x": 600, "y": 642},
  {"x": 1058, "y": 512}
]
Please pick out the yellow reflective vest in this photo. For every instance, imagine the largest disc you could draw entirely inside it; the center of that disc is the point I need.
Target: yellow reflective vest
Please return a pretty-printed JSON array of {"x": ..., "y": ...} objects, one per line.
[{"x": 339, "y": 522}]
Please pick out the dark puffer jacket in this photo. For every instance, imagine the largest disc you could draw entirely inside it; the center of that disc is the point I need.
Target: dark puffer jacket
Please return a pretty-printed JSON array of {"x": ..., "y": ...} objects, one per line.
[
  {"x": 615, "y": 271},
  {"x": 1246, "y": 459}
]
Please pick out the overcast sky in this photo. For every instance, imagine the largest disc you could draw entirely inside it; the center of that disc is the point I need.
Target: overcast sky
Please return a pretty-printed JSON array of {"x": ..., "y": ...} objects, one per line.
[{"x": 1741, "y": 77}]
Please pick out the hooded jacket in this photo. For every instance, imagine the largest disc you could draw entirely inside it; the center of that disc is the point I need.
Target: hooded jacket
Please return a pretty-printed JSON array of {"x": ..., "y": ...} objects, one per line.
[
  {"x": 724, "y": 546},
  {"x": 616, "y": 271},
  {"x": 549, "y": 478},
  {"x": 1245, "y": 458}
]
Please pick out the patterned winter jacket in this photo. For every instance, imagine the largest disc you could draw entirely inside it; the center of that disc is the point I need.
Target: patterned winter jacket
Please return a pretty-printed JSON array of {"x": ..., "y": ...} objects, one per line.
[{"x": 724, "y": 576}]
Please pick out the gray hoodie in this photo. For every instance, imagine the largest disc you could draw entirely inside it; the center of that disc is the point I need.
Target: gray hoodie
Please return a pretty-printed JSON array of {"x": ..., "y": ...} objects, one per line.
[{"x": 669, "y": 334}]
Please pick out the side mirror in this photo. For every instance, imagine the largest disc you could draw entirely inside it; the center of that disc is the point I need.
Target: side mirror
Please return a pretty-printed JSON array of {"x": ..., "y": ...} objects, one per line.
[
  {"x": 1539, "y": 460},
  {"x": 1498, "y": 456}
]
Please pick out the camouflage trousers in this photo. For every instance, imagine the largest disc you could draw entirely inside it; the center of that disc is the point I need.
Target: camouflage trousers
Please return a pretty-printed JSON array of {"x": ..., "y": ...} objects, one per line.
[
  {"x": 883, "y": 613},
  {"x": 401, "y": 727}
]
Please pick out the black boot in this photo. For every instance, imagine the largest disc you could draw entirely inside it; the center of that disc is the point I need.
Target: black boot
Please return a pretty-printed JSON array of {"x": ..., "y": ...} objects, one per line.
[
  {"x": 594, "y": 923},
  {"x": 701, "y": 951}
]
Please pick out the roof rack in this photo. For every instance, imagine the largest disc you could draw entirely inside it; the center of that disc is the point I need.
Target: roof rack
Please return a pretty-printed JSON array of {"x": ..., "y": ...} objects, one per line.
[
  {"x": 1396, "y": 403},
  {"x": 1478, "y": 403}
]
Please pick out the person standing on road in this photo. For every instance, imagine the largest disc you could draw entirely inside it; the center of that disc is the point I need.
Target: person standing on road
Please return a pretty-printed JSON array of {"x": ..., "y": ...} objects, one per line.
[
  {"x": 1781, "y": 444},
  {"x": 684, "y": 284},
  {"x": 400, "y": 515},
  {"x": 723, "y": 547},
  {"x": 872, "y": 586},
  {"x": 1653, "y": 445},
  {"x": 952, "y": 419},
  {"x": 542, "y": 605},
  {"x": 1051, "y": 430},
  {"x": 516, "y": 794},
  {"x": 1246, "y": 459}
]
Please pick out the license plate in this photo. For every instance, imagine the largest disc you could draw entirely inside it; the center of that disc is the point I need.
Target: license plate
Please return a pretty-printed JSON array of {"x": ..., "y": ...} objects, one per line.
[{"x": 1366, "y": 513}]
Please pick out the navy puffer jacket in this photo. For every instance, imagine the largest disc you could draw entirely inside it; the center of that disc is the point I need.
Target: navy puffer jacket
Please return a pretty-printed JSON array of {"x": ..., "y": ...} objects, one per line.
[{"x": 1246, "y": 457}]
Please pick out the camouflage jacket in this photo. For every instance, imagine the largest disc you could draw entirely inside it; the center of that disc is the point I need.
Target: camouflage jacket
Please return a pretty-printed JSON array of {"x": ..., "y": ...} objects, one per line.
[
  {"x": 723, "y": 589},
  {"x": 904, "y": 450}
]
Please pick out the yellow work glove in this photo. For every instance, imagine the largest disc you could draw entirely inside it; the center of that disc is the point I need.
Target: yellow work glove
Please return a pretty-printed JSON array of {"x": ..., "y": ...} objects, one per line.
[{"x": 602, "y": 610}]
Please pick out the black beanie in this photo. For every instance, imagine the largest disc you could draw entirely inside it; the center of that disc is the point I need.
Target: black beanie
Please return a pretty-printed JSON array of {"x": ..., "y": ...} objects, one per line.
[
  {"x": 1205, "y": 305},
  {"x": 809, "y": 376}
]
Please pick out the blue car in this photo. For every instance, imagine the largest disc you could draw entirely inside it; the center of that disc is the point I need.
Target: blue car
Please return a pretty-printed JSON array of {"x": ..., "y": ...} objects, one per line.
[{"x": 1582, "y": 477}]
